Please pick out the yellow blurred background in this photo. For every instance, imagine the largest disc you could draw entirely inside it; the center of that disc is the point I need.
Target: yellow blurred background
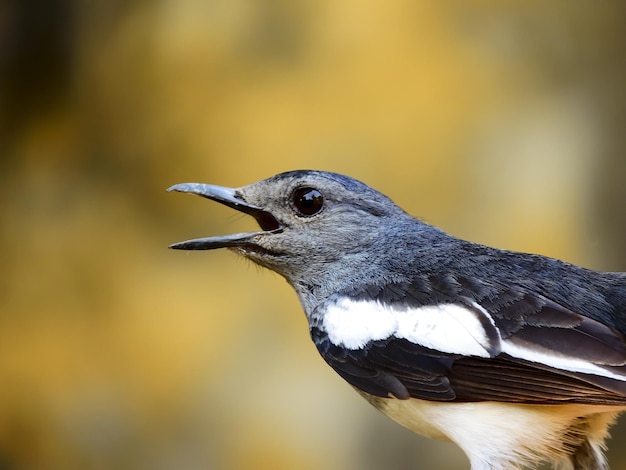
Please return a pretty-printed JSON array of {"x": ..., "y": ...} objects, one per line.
[{"x": 501, "y": 122}]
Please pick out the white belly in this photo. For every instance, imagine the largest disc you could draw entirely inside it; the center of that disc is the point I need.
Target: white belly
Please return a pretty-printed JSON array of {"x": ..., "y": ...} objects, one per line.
[{"x": 503, "y": 435}]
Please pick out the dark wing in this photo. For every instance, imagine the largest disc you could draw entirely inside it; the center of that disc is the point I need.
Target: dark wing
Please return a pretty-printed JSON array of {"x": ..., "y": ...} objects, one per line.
[
  {"x": 506, "y": 379},
  {"x": 547, "y": 354},
  {"x": 404, "y": 370},
  {"x": 394, "y": 367}
]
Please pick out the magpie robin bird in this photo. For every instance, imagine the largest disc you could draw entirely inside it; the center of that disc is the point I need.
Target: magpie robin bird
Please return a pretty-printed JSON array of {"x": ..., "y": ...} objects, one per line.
[{"x": 517, "y": 358}]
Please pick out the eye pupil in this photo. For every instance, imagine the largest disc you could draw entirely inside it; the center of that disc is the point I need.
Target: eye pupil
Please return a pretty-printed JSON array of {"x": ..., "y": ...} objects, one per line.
[{"x": 308, "y": 201}]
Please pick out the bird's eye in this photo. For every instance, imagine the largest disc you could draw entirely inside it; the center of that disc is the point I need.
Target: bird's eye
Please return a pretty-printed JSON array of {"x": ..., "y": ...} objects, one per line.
[{"x": 308, "y": 201}]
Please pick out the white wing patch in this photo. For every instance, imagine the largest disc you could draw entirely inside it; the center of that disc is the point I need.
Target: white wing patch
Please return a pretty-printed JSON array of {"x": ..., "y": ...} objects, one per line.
[
  {"x": 449, "y": 328},
  {"x": 571, "y": 364},
  {"x": 353, "y": 324}
]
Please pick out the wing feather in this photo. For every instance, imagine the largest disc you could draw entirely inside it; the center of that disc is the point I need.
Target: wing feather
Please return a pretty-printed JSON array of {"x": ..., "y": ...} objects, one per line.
[{"x": 550, "y": 354}]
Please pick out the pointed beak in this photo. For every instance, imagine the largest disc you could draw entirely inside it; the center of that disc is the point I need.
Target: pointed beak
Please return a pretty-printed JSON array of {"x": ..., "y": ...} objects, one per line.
[{"x": 232, "y": 198}]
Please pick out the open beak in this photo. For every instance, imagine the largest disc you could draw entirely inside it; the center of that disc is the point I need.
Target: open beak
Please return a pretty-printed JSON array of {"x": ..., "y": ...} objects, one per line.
[{"x": 231, "y": 198}]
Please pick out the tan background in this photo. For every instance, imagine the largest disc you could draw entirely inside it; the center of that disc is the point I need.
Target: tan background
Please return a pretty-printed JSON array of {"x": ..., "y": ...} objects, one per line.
[{"x": 501, "y": 122}]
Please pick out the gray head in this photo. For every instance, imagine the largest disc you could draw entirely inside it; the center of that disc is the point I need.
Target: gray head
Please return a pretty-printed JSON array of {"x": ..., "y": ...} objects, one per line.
[{"x": 315, "y": 227}]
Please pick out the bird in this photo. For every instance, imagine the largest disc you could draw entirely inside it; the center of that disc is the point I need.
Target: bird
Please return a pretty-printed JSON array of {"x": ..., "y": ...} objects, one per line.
[{"x": 519, "y": 359}]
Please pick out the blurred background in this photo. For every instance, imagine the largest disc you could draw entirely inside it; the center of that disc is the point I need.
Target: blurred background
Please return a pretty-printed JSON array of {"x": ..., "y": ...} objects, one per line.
[{"x": 502, "y": 122}]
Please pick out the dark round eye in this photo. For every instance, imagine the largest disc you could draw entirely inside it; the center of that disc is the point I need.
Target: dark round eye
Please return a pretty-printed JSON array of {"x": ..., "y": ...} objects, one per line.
[{"x": 308, "y": 201}]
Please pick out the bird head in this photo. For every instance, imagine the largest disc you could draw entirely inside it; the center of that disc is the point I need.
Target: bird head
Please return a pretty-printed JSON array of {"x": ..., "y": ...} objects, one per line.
[{"x": 311, "y": 222}]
